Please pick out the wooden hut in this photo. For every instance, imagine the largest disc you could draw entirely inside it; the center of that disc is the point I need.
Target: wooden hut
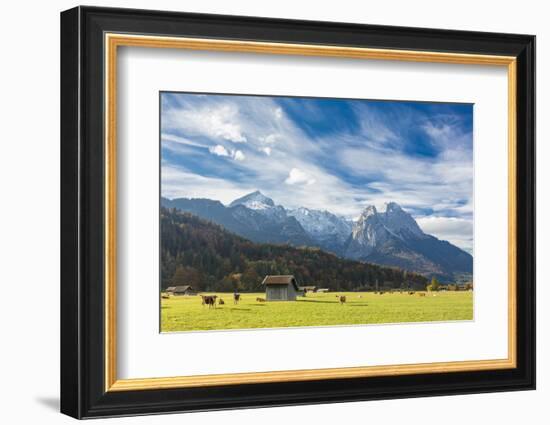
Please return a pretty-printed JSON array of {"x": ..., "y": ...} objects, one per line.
[
  {"x": 281, "y": 288},
  {"x": 180, "y": 290}
]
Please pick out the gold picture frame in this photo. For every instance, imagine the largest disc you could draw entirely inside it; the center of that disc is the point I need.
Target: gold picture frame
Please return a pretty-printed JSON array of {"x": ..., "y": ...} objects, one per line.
[{"x": 114, "y": 41}]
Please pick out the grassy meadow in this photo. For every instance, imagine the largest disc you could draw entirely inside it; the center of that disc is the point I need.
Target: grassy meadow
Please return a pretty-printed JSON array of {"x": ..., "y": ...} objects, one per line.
[{"x": 186, "y": 313}]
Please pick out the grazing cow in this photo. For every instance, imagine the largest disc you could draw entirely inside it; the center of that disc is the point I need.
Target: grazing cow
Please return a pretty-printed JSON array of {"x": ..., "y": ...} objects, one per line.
[
  {"x": 421, "y": 294},
  {"x": 221, "y": 302},
  {"x": 411, "y": 292},
  {"x": 165, "y": 297},
  {"x": 360, "y": 296},
  {"x": 209, "y": 300},
  {"x": 236, "y": 298},
  {"x": 260, "y": 300},
  {"x": 342, "y": 299}
]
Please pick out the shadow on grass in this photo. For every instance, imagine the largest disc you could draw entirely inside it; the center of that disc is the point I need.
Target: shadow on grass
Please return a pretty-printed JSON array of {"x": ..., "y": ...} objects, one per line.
[
  {"x": 358, "y": 305},
  {"x": 239, "y": 309},
  {"x": 318, "y": 301}
]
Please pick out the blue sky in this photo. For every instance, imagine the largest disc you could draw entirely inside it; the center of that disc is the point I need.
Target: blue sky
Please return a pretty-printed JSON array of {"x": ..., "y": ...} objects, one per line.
[{"x": 335, "y": 154}]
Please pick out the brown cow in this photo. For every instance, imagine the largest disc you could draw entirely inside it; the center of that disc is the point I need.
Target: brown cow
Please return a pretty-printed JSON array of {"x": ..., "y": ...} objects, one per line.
[
  {"x": 421, "y": 294},
  {"x": 236, "y": 298},
  {"x": 260, "y": 300},
  {"x": 342, "y": 299},
  {"x": 221, "y": 302},
  {"x": 209, "y": 300}
]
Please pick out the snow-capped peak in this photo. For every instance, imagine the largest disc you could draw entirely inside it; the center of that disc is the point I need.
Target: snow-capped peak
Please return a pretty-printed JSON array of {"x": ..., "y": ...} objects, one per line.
[
  {"x": 255, "y": 201},
  {"x": 322, "y": 225}
]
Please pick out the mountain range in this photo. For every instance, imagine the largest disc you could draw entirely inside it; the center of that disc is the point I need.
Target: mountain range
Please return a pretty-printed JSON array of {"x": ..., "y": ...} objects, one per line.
[{"x": 390, "y": 238}]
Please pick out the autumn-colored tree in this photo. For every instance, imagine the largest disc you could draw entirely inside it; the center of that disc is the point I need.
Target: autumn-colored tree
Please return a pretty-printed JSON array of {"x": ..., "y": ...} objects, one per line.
[{"x": 186, "y": 276}]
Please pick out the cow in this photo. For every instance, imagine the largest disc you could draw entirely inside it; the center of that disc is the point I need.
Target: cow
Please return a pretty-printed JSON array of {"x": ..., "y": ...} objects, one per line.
[
  {"x": 360, "y": 296},
  {"x": 221, "y": 302},
  {"x": 165, "y": 297},
  {"x": 260, "y": 300},
  {"x": 209, "y": 300},
  {"x": 421, "y": 294},
  {"x": 342, "y": 299},
  {"x": 411, "y": 292},
  {"x": 236, "y": 298}
]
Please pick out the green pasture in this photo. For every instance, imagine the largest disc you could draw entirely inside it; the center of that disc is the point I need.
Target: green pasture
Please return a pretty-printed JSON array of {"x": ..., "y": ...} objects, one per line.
[{"x": 186, "y": 313}]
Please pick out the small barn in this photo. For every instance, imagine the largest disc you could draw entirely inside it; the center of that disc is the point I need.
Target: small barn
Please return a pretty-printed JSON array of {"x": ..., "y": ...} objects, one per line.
[
  {"x": 281, "y": 288},
  {"x": 181, "y": 290}
]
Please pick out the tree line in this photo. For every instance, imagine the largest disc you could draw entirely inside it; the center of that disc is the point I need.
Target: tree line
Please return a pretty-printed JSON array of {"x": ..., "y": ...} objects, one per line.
[{"x": 204, "y": 255}]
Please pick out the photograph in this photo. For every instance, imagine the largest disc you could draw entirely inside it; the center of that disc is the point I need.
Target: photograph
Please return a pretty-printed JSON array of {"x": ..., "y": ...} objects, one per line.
[{"x": 281, "y": 211}]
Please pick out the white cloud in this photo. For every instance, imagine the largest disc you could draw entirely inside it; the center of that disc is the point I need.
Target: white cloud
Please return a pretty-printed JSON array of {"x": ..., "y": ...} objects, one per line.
[
  {"x": 266, "y": 150},
  {"x": 270, "y": 139},
  {"x": 278, "y": 113},
  {"x": 218, "y": 150},
  {"x": 297, "y": 176},
  {"x": 217, "y": 122},
  {"x": 238, "y": 155}
]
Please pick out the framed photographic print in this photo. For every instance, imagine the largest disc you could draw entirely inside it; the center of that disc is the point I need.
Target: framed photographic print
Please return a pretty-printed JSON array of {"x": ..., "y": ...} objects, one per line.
[{"x": 261, "y": 212}]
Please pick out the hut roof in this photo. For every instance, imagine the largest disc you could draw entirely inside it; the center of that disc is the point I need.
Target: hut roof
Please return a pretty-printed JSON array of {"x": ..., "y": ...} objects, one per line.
[
  {"x": 280, "y": 280},
  {"x": 183, "y": 288}
]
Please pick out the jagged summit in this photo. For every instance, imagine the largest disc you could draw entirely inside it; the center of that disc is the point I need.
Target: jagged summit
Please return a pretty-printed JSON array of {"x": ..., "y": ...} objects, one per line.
[
  {"x": 392, "y": 207},
  {"x": 370, "y": 210},
  {"x": 400, "y": 222}
]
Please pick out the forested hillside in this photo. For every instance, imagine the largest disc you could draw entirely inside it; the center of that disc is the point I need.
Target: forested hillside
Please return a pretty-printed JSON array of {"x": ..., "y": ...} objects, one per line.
[{"x": 202, "y": 254}]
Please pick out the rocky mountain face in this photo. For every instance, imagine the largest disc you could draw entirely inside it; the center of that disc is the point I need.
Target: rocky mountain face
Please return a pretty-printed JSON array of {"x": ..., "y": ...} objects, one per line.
[
  {"x": 390, "y": 238},
  {"x": 394, "y": 238}
]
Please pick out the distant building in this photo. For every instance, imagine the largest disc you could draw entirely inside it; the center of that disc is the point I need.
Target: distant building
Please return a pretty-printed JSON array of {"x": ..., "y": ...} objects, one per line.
[
  {"x": 306, "y": 289},
  {"x": 181, "y": 290},
  {"x": 281, "y": 288}
]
